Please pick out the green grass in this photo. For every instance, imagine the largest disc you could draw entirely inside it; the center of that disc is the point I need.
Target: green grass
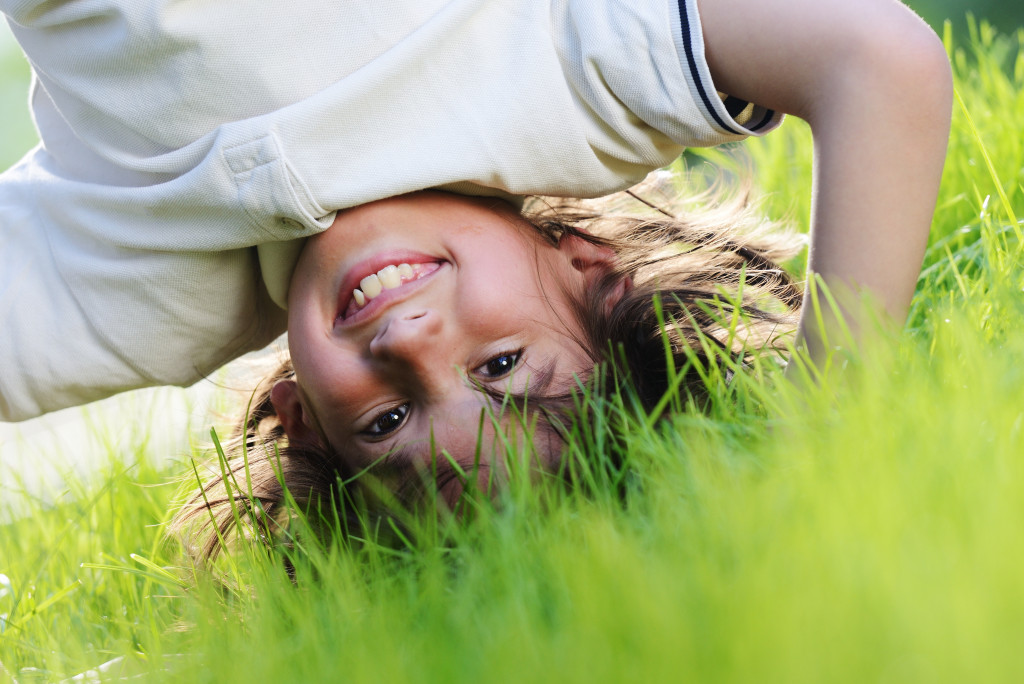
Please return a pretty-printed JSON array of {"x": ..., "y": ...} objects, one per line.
[
  {"x": 868, "y": 531},
  {"x": 17, "y": 134}
]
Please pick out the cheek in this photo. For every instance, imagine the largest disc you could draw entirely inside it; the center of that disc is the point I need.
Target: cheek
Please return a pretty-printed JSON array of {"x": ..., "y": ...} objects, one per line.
[
  {"x": 333, "y": 378},
  {"x": 306, "y": 335},
  {"x": 302, "y": 343},
  {"x": 500, "y": 297}
]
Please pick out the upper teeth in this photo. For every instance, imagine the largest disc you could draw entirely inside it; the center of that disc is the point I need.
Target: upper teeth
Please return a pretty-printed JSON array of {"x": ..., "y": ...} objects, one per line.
[{"x": 387, "y": 278}]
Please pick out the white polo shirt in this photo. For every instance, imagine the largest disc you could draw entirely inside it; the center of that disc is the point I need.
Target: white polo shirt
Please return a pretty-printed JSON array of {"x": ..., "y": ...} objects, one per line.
[{"x": 188, "y": 147}]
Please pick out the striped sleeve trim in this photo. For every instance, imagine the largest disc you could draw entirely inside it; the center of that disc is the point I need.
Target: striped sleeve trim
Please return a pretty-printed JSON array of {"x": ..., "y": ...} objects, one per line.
[
  {"x": 743, "y": 112},
  {"x": 731, "y": 115}
]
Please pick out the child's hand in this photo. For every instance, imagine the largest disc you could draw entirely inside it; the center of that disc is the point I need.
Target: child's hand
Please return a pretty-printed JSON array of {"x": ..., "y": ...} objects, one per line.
[{"x": 873, "y": 81}]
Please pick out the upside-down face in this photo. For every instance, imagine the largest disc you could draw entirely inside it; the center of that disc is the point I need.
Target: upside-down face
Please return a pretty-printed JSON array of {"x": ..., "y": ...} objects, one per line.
[{"x": 410, "y": 314}]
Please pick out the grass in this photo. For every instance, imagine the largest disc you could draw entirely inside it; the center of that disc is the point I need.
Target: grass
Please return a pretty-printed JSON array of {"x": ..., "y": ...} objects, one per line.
[
  {"x": 18, "y": 134},
  {"x": 869, "y": 532}
]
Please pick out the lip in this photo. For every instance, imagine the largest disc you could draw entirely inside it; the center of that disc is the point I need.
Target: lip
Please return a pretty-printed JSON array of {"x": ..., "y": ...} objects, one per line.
[{"x": 386, "y": 298}]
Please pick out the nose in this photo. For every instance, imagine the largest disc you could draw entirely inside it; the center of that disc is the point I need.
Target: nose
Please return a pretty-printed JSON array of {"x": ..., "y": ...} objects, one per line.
[{"x": 416, "y": 340}]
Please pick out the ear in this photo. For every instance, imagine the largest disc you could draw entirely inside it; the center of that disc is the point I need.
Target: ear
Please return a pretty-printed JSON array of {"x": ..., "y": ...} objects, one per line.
[
  {"x": 594, "y": 262},
  {"x": 287, "y": 403},
  {"x": 591, "y": 260}
]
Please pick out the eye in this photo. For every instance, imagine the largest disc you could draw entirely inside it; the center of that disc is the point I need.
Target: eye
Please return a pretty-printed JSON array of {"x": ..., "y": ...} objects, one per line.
[
  {"x": 388, "y": 421},
  {"x": 501, "y": 365}
]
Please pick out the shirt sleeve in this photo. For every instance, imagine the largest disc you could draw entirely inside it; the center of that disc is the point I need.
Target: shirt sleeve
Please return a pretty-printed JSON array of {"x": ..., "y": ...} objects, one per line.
[
  {"x": 725, "y": 114},
  {"x": 50, "y": 355},
  {"x": 85, "y": 315},
  {"x": 639, "y": 69}
]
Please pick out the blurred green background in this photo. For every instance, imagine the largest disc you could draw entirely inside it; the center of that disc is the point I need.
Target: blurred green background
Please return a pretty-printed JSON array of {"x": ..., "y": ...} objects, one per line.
[{"x": 1007, "y": 15}]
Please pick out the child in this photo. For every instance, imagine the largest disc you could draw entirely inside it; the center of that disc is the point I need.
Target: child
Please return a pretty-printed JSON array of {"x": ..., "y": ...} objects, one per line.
[
  {"x": 521, "y": 307},
  {"x": 159, "y": 229}
]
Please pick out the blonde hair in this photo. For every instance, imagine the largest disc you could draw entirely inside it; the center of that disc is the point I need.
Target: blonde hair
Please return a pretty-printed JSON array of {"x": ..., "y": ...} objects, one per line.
[{"x": 690, "y": 273}]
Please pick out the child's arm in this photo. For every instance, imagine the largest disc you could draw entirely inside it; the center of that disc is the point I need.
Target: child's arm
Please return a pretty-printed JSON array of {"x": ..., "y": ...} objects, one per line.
[{"x": 873, "y": 81}]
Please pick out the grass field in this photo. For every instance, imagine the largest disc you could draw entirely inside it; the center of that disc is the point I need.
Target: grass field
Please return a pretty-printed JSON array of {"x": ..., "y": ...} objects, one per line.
[{"x": 868, "y": 530}]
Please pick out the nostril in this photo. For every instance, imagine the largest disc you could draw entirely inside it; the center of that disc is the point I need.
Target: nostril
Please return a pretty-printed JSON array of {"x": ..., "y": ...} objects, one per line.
[{"x": 414, "y": 316}]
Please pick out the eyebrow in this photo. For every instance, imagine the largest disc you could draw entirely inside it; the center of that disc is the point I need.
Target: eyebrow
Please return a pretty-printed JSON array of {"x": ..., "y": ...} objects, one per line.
[
  {"x": 406, "y": 458},
  {"x": 395, "y": 459}
]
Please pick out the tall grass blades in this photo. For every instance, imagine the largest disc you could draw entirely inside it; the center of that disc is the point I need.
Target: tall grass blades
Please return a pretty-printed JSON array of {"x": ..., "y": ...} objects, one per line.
[{"x": 866, "y": 529}]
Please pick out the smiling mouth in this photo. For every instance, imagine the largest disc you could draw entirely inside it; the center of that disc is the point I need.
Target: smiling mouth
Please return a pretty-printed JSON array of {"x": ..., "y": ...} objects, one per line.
[{"x": 383, "y": 286}]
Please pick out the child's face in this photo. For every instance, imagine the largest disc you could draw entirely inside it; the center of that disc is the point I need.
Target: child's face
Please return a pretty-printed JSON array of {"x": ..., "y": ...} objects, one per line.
[{"x": 484, "y": 305}]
